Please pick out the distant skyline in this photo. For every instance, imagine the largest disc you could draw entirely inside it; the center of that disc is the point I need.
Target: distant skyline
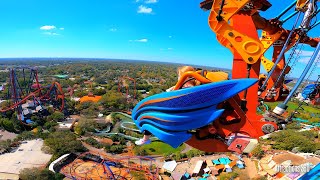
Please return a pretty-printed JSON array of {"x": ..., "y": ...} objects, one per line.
[{"x": 156, "y": 30}]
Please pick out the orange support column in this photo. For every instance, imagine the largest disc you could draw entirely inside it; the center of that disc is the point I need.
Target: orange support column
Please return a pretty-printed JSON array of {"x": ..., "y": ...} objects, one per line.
[{"x": 244, "y": 24}]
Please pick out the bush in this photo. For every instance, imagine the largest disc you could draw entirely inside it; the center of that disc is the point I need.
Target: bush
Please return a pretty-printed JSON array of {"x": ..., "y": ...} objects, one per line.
[
  {"x": 258, "y": 152},
  {"x": 117, "y": 149},
  {"x": 293, "y": 125},
  {"x": 50, "y": 125},
  {"x": 56, "y": 116},
  {"x": 86, "y": 125},
  {"x": 228, "y": 176},
  {"x": 140, "y": 151},
  {"x": 26, "y": 135},
  {"x": 7, "y": 124},
  {"x": 93, "y": 142},
  {"x": 289, "y": 139}
]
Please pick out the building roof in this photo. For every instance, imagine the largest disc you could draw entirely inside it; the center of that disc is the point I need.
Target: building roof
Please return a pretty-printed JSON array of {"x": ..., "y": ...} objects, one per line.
[
  {"x": 209, "y": 163},
  {"x": 206, "y": 169},
  {"x": 176, "y": 175},
  {"x": 56, "y": 161},
  {"x": 90, "y": 99},
  {"x": 225, "y": 160},
  {"x": 216, "y": 162},
  {"x": 268, "y": 169},
  {"x": 286, "y": 163},
  {"x": 61, "y": 76},
  {"x": 240, "y": 166},
  {"x": 170, "y": 166},
  {"x": 198, "y": 166},
  {"x": 293, "y": 175}
]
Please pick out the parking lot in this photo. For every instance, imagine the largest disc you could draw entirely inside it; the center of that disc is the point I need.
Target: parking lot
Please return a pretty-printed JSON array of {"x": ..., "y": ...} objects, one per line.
[{"x": 27, "y": 155}]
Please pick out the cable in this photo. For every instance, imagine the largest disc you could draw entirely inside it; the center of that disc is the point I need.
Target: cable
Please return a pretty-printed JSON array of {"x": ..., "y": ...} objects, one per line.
[
  {"x": 262, "y": 88},
  {"x": 219, "y": 17},
  {"x": 293, "y": 52},
  {"x": 286, "y": 10}
]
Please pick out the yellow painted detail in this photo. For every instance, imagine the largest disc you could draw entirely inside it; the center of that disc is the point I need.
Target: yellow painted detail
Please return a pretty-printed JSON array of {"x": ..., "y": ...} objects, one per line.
[
  {"x": 262, "y": 76},
  {"x": 249, "y": 48},
  {"x": 301, "y": 4},
  {"x": 267, "y": 40},
  {"x": 217, "y": 76},
  {"x": 267, "y": 64}
]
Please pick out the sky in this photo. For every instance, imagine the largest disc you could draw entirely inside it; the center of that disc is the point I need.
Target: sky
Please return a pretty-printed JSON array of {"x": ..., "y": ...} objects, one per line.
[{"x": 156, "y": 30}]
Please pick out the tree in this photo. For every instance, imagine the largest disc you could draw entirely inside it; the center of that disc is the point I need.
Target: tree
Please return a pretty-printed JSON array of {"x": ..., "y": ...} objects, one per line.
[
  {"x": 86, "y": 125},
  {"x": 140, "y": 151},
  {"x": 113, "y": 100},
  {"x": 6, "y": 144},
  {"x": 89, "y": 109},
  {"x": 177, "y": 156},
  {"x": 190, "y": 154},
  {"x": 107, "y": 148},
  {"x": 289, "y": 139},
  {"x": 50, "y": 126},
  {"x": 62, "y": 143},
  {"x": 25, "y": 135},
  {"x": 38, "y": 174},
  {"x": 93, "y": 142},
  {"x": 155, "y": 91},
  {"x": 258, "y": 152},
  {"x": 99, "y": 92},
  {"x": 8, "y": 125},
  {"x": 116, "y": 149},
  {"x": 56, "y": 116}
]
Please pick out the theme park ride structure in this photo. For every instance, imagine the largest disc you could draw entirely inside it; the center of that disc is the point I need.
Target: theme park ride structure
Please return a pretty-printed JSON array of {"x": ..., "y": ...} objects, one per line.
[
  {"x": 91, "y": 166},
  {"x": 312, "y": 92},
  {"x": 23, "y": 88},
  {"x": 90, "y": 97},
  {"x": 123, "y": 82},
  {"x": 217, "y": 116}
]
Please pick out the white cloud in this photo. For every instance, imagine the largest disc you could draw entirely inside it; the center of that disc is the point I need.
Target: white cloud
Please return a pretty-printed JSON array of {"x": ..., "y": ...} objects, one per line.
[
  {"x": 144, "y": 9},
  {"x": 137, "y": 1},
  {"x": 47, "y": 27},
  {"x": 51, "y": 33},
  {"x": 166, "y": 49},
  {"x": 305, "y": 53},
  {"x": 144, "y": 40},
  {"x": 305, "y": 59},
  {"x": 61, "y": 28},
  {"x": 113, "y": 29},
  {"x": 151, "y": 1}
]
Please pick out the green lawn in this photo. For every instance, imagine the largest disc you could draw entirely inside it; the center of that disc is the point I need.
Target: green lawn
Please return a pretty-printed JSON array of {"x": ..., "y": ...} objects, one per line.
[
  {"x": 293, "y": 105},
  {"x": 160, "y": 148},
  {"x": 303, "y": 114},
  {"x": 122, "y": 117}
]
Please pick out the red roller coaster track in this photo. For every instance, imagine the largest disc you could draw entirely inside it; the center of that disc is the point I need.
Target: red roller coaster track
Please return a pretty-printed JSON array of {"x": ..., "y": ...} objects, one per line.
[
  {"x": 19, "y": 95},
  {"x": 128, "y": 164}
]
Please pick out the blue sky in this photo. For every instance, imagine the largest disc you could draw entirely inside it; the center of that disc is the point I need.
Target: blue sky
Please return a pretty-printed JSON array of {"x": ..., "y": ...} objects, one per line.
[{"x": 158, "y": 30}]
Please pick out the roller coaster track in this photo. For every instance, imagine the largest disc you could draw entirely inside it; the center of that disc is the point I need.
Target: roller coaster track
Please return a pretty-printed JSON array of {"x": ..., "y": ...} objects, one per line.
[
  {"x": 45, "y": 97},
  {"x": 129, "y": 163},
  {"x": 122, "y": 125}
]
